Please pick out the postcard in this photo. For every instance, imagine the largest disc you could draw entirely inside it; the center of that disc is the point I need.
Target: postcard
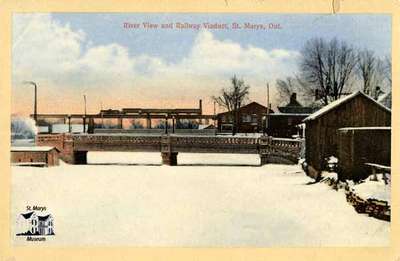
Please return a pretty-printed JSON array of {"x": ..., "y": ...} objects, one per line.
[{"x": 201, "y": 130}]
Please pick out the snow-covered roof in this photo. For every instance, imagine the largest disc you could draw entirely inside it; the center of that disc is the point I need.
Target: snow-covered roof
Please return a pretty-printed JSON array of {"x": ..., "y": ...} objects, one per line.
[
  {"x": 288, "y": 114},
  {"x": 386, "y": 99},
  {"x": 365, "y": 128},
  {"x": 32, "y": 148},
  {"x": 339, "y": 102}
]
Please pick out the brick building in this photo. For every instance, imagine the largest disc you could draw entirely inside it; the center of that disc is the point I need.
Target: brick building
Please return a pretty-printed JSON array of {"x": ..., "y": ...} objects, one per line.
[
  {"x": 35, "y": 156},
  {"x": 250, "y": 119}
]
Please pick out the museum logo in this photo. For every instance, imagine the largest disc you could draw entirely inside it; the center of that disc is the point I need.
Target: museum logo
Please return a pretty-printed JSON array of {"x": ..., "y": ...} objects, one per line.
[{"x": 34, "y": 226}]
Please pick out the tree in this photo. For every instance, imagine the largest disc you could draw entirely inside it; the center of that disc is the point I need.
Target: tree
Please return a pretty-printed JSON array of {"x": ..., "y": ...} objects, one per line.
[
  {"x": 286, "y": 87},
  {"x": 387, "y": 69},
  {"x": 328, "y": 67},
  {"x": 371, "y": 70},
  {"x": 135, "y": 124},
  {"x": 232, "y": 98}
]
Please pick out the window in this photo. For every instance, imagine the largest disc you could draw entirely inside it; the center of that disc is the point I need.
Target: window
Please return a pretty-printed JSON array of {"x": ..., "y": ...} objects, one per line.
[
  {"x": 246, "y": 118},
  {"x": 254, "y": 118}
]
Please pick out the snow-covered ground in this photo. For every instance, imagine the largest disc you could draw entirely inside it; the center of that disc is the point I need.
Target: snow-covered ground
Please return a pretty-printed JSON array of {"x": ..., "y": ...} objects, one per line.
[
  {"x": 370, "y": 189},
  {"x": 191, "y": 204}
]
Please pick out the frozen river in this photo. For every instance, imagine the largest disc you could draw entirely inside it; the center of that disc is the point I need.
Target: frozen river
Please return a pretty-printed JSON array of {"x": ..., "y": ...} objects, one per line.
[{"x": 140, "y": 203}]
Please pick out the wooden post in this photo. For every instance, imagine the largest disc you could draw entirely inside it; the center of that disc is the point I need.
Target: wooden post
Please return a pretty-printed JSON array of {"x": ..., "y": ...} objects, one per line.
[
  {"x": 84, "y": 123},
  {"x": 148, "y": 123},
  {"x": 69, "y": 124}
]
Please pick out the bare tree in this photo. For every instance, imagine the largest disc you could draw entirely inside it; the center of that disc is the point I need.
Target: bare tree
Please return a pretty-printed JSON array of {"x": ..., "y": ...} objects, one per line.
[
  {"x": 232, "y": 98},
  {"x": 387, "y": 69},
  {"x": 371, "y": 70},
  {"x": 328, "y": 67},
  {"x": 286, "y": 87},
  {"x": 367, "y": 68}
]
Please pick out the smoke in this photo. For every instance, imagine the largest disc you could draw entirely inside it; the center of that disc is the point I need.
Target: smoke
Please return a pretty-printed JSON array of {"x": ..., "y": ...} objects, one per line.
[{"x": 23, "y": 128}]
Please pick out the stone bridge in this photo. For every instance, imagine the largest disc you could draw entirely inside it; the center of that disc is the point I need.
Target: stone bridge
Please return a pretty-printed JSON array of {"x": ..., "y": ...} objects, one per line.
[{"x": 74, "y": 147}]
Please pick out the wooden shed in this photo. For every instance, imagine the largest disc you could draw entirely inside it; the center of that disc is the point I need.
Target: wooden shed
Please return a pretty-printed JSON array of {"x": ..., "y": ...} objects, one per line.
[{"x": 354, "y": 110}]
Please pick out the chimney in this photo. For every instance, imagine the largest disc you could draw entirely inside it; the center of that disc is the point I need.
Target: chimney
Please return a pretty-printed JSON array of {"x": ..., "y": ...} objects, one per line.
[
  {"x": 201, "y": 106},
  {"x": 293, "y": 98},
  {"x": 378, "y": 92},
  {"x": 316, "y": 95}
]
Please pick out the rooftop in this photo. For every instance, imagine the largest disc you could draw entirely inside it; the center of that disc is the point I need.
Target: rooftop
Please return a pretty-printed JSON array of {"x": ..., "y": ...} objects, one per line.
[{"x": 339, "y": 102}]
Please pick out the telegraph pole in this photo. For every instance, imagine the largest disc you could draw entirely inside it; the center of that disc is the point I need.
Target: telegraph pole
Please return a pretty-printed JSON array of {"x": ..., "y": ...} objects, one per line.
[
  {"x": 84, "y": 116},
  {"x": 268, "y": 106}
]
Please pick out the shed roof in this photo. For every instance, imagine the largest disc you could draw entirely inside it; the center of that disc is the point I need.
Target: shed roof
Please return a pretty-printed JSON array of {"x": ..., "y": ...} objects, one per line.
[
  {"x": 33, "y": 148},
  {"x": 255, "y": 104},
  {"x": 339, "y": 102}
]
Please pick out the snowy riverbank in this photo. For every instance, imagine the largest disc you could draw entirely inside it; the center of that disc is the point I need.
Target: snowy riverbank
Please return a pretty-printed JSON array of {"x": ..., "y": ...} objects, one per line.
[{"x": 145, "y": 204}]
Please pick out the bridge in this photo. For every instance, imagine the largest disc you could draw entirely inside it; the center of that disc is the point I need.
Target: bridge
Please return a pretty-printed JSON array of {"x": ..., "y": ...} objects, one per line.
[{"x": 74, "y": 147}]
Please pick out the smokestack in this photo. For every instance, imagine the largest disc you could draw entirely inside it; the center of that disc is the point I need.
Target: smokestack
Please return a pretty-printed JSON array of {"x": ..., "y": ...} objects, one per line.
[
  {"x": 293, "y": 98},
  {"x": 316, "y": 95},
  {"x": 201, "y": 106}
]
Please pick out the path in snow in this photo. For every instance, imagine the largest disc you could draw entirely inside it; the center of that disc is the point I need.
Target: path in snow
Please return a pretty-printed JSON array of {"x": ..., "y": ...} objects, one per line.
[{"x": 190, "y": 205}]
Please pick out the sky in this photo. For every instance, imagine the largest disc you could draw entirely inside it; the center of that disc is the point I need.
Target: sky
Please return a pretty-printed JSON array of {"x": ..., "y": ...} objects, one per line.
[{"x": 74, "y": 54}]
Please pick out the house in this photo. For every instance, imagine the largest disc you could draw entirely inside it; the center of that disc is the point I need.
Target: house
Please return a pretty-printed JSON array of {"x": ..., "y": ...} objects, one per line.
[
  {"x": 35, "y": 156},
  {"x": 32, "y": 224},
  {"x": 321, "y": 131},
  {"x": 250, "y": 118},
  {"x": 284, "y": 122},
  {"x": 386, "y": 99}
]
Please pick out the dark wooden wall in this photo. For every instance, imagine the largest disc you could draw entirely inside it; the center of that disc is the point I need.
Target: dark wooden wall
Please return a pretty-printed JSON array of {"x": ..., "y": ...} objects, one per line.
[{"x": 360, "y": 146}]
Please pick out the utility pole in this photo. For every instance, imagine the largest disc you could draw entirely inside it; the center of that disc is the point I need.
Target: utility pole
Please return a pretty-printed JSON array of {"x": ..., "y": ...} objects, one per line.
[
  {"x": 84, "y": 116},
  {"x": 268, "y": 107},
  {"x": 35, "y": 100},
  {"x": 214, "y": 114},
  {"x": 101, "y": 111}
]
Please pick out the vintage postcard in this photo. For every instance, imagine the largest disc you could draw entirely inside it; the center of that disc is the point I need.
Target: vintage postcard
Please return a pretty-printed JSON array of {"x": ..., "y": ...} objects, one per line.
[{"x": 200, "y": 129}]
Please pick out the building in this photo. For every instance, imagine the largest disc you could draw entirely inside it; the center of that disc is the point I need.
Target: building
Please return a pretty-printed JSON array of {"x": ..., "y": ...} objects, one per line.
[
  {"x": 386, "y": 99},
  {"x": 354, "y": 110},
  {"x": 360, "y": 145},
  {"x": 35, "y": 156},
  {"x": 32, "y": 224},
  {"x": 250, "y": 118},
  {"x": 284, "y": 122}
]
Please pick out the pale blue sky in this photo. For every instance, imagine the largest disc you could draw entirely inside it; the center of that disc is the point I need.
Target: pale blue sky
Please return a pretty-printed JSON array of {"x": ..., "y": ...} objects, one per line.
[
  {"x": 93, "y": 54},
  {"x": 364, "y": 31}
]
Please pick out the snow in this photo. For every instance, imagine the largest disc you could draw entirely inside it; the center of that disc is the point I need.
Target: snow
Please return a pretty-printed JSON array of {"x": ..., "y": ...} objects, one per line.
[
  {"x": 370, "y": 189},
  {"x": 338, "y": 102},
  {"x": 32, "y": 148},
  {"x": 141, "y": 203},
  {"x": 365, "y": 128},
  {"x": 332, "y": 160}
]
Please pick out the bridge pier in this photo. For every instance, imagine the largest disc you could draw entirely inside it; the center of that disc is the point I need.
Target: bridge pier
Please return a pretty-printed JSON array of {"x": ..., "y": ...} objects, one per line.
[
  {"x": 264, "y": 159},
  {"x": 169, "y": 158}
]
